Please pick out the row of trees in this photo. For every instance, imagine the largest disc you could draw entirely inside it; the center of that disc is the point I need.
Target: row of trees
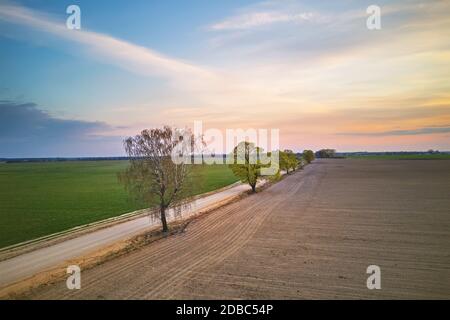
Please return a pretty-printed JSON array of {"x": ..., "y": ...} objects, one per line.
[
  {"x": 153, "y": 173},
  {"x": 249, "y": 170},
  {"x": 289, "y": 161}
]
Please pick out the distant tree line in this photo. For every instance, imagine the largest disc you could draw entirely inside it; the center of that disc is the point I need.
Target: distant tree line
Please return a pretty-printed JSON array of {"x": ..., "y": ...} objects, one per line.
[
  {"x": 389, "y": 153},
  {"x": 60, "y": 159},
  {"x": 326, "y": 153}
]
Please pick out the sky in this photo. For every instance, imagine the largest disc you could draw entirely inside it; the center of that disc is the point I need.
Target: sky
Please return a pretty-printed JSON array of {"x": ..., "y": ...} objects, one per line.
[{"x": 311, "y": 69}]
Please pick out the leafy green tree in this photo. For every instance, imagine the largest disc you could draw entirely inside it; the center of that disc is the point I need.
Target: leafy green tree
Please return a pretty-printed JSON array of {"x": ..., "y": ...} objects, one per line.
[
  {"x": 284, "y": 161},
  {"x": 246, "y": 164},
  {"x": 308, "y": 155},
  {"x": 288, "y": 161},
  {"x": 293, "y": 160}
]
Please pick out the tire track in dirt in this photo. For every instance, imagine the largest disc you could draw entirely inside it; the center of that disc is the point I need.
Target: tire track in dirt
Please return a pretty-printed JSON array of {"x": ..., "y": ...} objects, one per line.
[
  {"x": 164, "y": 252},
  {"x": 311, "y": 235},
  {"x": 170, "y": 251},
  {"x": 227, "y": 245},
  {"x": 206, "y": 241}
]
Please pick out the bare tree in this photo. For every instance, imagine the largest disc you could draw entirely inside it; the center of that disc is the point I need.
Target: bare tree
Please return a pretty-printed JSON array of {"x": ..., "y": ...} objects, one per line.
[{"x": 153, "y": 174}]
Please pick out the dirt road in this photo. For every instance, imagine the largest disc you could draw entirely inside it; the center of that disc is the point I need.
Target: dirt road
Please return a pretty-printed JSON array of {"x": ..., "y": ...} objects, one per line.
[
  {"x": 30, "y": 263},
  {"x": 310, "y": 236}
]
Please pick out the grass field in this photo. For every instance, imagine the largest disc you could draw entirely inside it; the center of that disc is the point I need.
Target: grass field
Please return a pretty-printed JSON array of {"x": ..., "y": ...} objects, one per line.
[
  {"x": 38, "y": 199},
  {"x": 402, "y": 157}
]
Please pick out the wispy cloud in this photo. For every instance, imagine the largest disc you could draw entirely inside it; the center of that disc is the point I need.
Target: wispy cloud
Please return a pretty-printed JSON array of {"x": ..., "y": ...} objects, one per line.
[
  {"x": 126, "y": 55},
  {"x": 411, "y": 132},
  {"x": 258, "y": 19},
  {"x": 191, "y": 80}
]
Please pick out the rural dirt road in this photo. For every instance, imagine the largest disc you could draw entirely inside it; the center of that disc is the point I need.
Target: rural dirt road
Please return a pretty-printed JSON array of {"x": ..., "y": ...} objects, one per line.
[
  {"x": 30, "y": 263},
  {"x": 310, "y": 236}
]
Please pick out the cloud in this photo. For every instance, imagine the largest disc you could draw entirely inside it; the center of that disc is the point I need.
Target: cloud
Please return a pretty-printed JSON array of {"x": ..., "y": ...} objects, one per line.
[
  {"x": 335, "y": 31},
  {"x": 258, "y": 19},
  {"x": 26, "y": 120},
  {"x": 191, "y": 81},
  {"x": 27, "y": 131},
  {"x": 412, "y": 132},
  {"x": 126, "y": 55}
]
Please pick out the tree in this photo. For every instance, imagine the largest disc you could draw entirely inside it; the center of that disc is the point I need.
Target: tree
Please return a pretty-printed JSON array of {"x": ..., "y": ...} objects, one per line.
[
  {"x": 152, "y": 173},
  {"x": 308, "y": 155},
  {"x": 293, "y": 160},
  {"x": 246, "y": 164},
  {"x": 288, "y": 160},
  {"x": 302, "y": 162},
  {"x": 326, "y": 153},
  {"x": 284, "y": 162}
]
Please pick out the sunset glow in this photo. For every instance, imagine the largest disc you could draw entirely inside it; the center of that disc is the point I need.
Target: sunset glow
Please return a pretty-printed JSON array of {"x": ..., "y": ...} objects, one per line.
[{"x": 314, "y": 71}]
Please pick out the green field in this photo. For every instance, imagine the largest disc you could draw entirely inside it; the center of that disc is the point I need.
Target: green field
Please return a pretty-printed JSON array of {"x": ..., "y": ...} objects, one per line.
[
  {"x": 402, "y": 157},
  {"x": 38, "y": 199}
]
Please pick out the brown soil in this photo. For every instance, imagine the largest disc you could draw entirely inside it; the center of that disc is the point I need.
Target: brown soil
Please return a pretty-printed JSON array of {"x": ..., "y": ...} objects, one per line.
[{"x": 311, "y": 235}]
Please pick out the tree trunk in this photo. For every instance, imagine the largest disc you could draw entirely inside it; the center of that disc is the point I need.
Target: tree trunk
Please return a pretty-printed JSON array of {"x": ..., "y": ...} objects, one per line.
[
  {"x": 253, "y": 187},
  {"x": 163, "y": 219}
]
